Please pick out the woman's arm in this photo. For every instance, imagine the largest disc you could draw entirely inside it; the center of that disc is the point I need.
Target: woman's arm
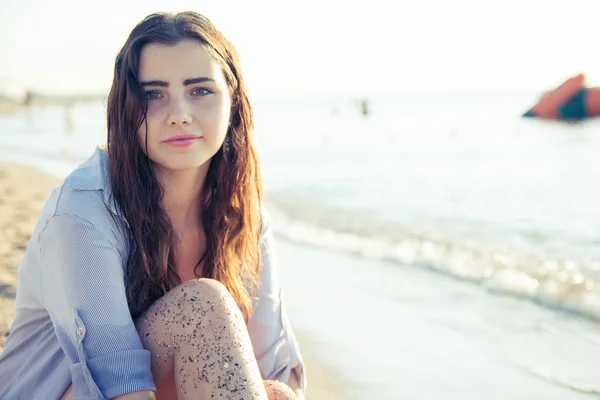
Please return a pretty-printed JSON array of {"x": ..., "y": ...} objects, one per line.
[{"x": 84, "y": 293}]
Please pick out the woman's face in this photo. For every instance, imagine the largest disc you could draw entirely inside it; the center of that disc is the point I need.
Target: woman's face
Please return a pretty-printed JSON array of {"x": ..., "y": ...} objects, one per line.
[{"x": 188, "y": 105}]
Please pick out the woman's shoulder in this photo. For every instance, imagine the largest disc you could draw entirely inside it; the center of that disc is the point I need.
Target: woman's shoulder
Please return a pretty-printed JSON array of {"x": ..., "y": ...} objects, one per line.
[
  {"x": 92, "y": 175},
  {"x": 86, "y": 193}
]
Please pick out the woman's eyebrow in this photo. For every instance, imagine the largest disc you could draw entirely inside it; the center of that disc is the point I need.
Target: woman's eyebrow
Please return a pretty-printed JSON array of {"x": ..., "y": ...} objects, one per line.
[{"x": 186, "y": 82}]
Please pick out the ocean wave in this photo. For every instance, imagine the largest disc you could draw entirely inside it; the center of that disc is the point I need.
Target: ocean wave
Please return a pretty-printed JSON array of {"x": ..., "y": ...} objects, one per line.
[
  {"x": 564, "y": 381},
  {"x": 561, "y": 284}
]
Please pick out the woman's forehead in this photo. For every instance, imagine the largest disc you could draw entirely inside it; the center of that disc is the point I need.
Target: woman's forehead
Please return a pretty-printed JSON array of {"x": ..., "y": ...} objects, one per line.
[{"x": 175, "y": 63}]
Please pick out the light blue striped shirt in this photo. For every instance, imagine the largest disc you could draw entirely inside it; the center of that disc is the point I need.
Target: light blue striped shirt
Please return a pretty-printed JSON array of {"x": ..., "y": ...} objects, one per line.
[{"x": 72, "y": 323}]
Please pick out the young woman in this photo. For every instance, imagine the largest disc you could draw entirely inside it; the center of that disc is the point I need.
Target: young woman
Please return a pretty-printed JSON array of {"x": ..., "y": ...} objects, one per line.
[{"x": 151, "y": 270}]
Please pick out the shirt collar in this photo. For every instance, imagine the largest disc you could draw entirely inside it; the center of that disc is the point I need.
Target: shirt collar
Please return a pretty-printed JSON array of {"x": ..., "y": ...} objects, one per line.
[{"x": 94, "y": 174}]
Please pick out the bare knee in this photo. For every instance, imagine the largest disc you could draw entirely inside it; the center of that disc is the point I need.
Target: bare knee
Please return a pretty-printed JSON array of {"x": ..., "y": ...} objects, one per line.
[
  {"x": 186, "y": 317},
  {"x": 279, "y": 391},
  {"x": 209, "y": 289},
  {"x": 196, "y": 327},
  {"x": 185, "y": 308},
  {"x": 191, "y": 294},
  {"x": 204, "y": 295}
]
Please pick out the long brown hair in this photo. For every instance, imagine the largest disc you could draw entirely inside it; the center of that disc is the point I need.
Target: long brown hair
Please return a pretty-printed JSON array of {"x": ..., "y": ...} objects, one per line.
[{"x": 232, "y": 191}]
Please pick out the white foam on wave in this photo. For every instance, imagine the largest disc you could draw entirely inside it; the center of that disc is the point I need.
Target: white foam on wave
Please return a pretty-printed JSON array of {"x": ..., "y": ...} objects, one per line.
[{"x": 557, "y": 284}]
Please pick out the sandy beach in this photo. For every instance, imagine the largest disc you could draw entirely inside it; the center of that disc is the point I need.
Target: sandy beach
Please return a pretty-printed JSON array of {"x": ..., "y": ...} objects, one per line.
[
  {"x": 23, "y": 191},
  {"x": 8, "y": 108}
]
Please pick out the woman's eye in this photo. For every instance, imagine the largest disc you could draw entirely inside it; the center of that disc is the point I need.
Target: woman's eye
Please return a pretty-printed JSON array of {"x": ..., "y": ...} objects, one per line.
[
  {"x": 201, "y": 91},
  {"x": 153, "y": 95}
]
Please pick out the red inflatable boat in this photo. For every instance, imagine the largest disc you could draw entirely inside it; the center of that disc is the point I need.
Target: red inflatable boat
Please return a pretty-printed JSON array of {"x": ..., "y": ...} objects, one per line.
[{"x": 570, "y": 101}]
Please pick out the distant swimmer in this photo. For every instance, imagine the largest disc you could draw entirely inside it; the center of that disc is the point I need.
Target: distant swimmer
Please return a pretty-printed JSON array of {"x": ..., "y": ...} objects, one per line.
[
  {"x": 28, "y": 98},
  {"x": 364, "y": 105}
]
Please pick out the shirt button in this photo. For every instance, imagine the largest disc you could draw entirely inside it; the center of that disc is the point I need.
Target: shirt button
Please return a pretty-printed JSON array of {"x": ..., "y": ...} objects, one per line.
[{"x": 80, "y": 331}]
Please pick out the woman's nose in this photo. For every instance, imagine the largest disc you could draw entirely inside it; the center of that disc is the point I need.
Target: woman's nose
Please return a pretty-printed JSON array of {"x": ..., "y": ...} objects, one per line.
[{"x": 179, "y": 112}]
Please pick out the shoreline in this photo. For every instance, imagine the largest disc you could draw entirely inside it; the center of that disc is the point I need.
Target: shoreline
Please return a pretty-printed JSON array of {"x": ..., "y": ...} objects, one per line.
[
  {"x": 323, "y": 383},
  {"x": 23, "y": 192}
]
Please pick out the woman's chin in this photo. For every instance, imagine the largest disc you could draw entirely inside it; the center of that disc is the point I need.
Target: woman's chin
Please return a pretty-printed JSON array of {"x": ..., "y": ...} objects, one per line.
[{"x": 182, "y": 165}]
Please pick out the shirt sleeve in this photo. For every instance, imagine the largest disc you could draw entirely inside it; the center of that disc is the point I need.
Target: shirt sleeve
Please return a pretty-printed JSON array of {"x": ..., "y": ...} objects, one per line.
[
  {"x": 84, "y": 293},
  {"x": 275, "y": 345}
]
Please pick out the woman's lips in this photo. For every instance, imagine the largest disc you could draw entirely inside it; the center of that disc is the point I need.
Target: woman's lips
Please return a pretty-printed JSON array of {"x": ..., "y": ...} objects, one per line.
[{"x": 182, "y": 140}]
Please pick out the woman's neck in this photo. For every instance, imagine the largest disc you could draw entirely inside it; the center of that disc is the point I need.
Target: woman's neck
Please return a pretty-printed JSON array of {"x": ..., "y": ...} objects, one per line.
[{"x": 183, "y": 196}]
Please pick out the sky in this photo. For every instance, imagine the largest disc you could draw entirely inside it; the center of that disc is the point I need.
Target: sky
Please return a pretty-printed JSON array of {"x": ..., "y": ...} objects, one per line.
[{"x": 317, "y": 47}]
